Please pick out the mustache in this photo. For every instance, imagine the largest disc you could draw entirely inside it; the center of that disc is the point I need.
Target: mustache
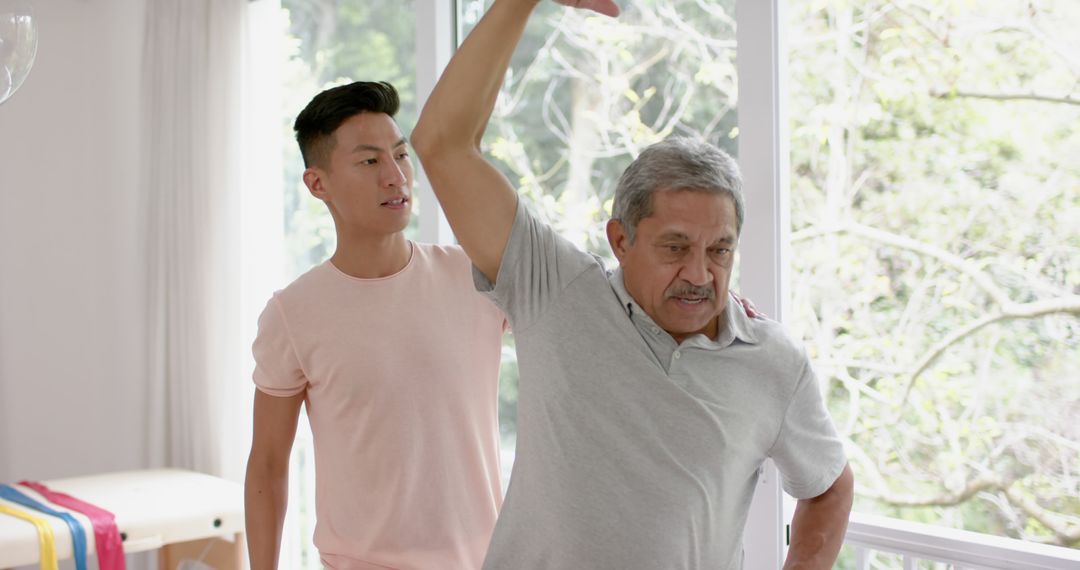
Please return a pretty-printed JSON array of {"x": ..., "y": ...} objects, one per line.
[{"x": 692, "y": 291}]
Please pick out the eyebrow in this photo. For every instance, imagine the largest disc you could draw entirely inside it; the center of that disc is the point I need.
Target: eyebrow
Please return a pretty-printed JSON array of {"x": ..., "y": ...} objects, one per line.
[
  {"x": 683, "y": 237},
  {"x": 367, "y": 147}
]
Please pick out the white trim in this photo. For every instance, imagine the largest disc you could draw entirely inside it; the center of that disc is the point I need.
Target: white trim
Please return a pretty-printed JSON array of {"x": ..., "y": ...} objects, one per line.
[
  {"x": 763, "y": 157},
  {"x": 958, "y": 547},
  {"x": 436, "y": 40}
]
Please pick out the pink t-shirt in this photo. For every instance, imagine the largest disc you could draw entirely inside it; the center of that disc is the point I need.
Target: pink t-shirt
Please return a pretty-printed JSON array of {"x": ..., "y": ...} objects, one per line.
[{"x": 402, "y": 384}]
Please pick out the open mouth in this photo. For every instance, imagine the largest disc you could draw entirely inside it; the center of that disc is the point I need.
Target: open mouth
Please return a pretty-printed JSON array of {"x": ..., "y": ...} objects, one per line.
[
  {"x": 691, "y": 300},
  {"x": 396, "y": 202}
]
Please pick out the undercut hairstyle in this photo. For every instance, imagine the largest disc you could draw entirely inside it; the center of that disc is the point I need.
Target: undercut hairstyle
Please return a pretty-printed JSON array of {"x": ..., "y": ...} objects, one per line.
[
  {"x": 678, "y": 163},
  {"x": 315, "y": 125}
]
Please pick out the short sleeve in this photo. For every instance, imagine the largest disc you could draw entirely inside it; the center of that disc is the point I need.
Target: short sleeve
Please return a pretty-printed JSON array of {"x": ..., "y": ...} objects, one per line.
[
  {"x": 808, "y": 451},
  {"x": 537, "y": 265},
  {"x": 277, "y": 368}
]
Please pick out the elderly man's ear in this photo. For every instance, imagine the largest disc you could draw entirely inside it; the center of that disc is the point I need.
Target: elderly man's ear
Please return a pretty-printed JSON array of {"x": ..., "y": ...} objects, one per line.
[{"x": 617, "y": 238}]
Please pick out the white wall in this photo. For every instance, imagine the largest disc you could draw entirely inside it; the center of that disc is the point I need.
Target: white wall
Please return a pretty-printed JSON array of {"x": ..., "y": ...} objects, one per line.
[{"x": 72, "y": 253}]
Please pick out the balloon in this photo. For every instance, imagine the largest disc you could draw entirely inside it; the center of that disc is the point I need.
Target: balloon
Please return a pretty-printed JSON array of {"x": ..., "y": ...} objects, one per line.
[{"x": 18, "y": 45}]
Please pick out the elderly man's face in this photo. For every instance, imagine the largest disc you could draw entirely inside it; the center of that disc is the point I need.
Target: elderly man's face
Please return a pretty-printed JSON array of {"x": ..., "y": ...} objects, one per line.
[{"x": 679, "y": 265}]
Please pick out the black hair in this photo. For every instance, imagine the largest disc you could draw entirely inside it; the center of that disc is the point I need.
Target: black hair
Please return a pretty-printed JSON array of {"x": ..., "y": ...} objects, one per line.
[{"x": 315, "y": 125}]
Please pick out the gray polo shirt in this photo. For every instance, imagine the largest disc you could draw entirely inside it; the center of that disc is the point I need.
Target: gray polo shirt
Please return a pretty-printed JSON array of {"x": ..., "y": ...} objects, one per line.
[{"x": 634, "y": 451}]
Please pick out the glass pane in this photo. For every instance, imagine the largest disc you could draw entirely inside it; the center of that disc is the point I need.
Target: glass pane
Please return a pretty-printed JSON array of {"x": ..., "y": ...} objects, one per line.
[
  {"x": 585, "y": 94},
  {"x": 936, "y": 233}
]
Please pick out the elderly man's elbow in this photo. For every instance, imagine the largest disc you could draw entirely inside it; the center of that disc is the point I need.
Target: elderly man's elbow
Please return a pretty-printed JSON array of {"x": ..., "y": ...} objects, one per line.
[
  {"x": 844, "y": 487},
  {"x": 426, "y": 139},
  {"x": 438, "y": 137}
]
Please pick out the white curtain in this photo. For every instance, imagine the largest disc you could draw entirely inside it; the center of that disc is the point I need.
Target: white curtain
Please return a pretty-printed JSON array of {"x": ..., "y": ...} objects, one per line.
[{"x": 193, "y": 117}]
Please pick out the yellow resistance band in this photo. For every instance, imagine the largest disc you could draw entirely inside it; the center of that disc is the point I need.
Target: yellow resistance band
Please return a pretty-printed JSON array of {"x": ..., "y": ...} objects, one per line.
[{"x": 46, "y": 542}]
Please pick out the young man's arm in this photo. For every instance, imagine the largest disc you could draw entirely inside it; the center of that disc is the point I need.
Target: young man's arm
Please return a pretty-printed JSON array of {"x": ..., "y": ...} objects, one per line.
[
  {"x": 817, "y": 530},
  {"x": 479, "y": 201},
  {"x": 266, "y": 485}
]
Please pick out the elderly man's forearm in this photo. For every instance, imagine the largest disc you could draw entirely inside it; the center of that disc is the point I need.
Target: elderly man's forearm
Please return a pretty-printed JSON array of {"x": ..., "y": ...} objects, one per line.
[
  {"x": 461, "y": 103},
  {"x": 817, "y": 530}
]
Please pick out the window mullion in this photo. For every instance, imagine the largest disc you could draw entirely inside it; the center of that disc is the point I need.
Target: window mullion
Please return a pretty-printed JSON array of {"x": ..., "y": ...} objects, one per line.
[
  {"x": 435, "y": 43},
  {"x": 763, "y": 158}
]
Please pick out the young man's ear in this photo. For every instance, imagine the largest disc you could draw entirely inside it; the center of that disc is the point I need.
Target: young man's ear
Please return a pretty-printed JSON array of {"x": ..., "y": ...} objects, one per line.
[
  {"x": 617, "y": 238},
  {"x": 314, "y": 182}
]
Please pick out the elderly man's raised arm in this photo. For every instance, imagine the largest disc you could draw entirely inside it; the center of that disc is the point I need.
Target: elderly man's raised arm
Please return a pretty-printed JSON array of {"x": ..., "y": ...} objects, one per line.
[{"x": 479, "y": 201}]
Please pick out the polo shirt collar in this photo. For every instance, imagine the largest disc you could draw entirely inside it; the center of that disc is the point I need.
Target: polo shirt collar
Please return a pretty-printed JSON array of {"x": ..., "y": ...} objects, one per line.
[{"x": 737, "y": 324}]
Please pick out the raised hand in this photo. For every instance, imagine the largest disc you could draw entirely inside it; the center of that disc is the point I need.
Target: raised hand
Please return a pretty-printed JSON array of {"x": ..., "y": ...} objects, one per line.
[{"x": 605, "y": 7}]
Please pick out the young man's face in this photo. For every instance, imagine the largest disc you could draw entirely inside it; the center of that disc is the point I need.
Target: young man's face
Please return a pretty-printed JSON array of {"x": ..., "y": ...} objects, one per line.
[
  {"x": 679, "y": 265},
  {"x": 366, "y": 181}
]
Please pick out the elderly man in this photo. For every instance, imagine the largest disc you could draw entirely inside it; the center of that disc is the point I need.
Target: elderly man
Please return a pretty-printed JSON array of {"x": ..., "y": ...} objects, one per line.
[{"x": 648, "y": 400}]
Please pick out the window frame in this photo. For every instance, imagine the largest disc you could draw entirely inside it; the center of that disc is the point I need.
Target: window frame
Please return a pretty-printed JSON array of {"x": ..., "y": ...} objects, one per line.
[
  {"x": 765, "y": 242},
  {"x": 436, "y": 40}
]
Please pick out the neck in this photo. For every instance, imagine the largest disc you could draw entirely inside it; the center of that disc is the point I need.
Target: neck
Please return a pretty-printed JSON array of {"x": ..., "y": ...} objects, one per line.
[{"x": 371, "y": 257}]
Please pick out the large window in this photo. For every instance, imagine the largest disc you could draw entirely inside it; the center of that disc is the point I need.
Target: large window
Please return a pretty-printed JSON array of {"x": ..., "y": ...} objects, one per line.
[{"x": 935, "y": 206}]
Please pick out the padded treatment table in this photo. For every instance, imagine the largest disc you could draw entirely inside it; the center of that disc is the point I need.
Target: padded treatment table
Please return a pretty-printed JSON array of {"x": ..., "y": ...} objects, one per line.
[{"x": 182, "y": 513}]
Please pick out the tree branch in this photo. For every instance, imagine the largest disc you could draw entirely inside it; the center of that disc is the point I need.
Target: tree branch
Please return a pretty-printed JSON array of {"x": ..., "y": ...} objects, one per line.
[
  {"x": 947, "y": 499},
  {"x": 1007, "y": 309},
  {"x": 979, "y": 277},
  {"x": 1011, "y": 311},
  {"x": 1064, "y": 532},
  {"x": 1065, "y": 99}
]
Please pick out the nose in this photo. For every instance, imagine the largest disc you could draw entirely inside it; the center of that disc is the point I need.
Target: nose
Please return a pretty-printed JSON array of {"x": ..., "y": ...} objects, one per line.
[
  {"x": 393, "y": 174},
  {"x": 695, "y": 268}
]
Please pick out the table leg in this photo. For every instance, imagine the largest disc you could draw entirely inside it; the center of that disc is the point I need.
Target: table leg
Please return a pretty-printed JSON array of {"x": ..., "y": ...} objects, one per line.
[{"x": 217, "y": 553}]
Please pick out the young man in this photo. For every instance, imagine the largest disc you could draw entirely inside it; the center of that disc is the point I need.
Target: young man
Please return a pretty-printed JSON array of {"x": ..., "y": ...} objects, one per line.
[
  {"x": 396, "y": 356},
  {"x": 648, "y": 401}
]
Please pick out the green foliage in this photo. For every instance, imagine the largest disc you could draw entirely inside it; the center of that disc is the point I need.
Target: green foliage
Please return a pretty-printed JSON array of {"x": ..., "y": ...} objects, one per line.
[{"x": 950, "y": 128}]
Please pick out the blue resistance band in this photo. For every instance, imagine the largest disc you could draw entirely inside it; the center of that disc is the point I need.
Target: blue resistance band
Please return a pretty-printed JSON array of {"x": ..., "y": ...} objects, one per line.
[{"x": 78, "y": 534}]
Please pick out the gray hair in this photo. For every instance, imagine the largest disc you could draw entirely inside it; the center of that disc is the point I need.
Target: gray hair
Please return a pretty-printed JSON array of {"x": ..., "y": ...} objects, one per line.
[{"x": 678, "y": 163}]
